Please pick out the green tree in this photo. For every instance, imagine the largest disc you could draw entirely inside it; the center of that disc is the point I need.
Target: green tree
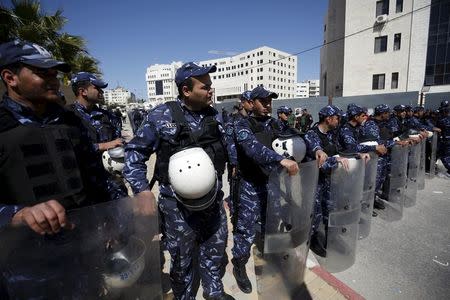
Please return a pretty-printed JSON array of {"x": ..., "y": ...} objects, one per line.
[{"x": 26, "y": 21}]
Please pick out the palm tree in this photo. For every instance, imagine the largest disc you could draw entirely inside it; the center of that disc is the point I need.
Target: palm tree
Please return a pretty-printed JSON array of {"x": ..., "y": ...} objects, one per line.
[{"x": 25, "y": 20}]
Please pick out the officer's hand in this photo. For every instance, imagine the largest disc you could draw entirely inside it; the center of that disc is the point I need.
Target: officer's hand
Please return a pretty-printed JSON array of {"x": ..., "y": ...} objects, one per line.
[
  {"x": 344, "y": 162},
  {"x": 144, "y": 203},
  {"x": 423, "y": 134},
  {"x": 437, "y": 129},
  {"x": 115, "y": 143},
  {"x": 381, "y": 149},
  {"x": 44, "y": 218},
  {"x": 290, "y": 165},
  {"x": 414, "y": 140},
  {"x": 234, "y": 172},
  {"x": 321, "y": 157},
  {"x": 402, "y": 143},
  {"x": 364, "y": 156}
]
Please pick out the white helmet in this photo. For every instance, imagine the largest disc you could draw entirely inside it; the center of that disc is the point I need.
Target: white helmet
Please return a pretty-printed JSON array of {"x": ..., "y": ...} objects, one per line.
[
  {"x": 290, "y": 145},
  {"x": 114, "y": 160},
  {"x": 124, "y": 267},
  {"x": 193, "y": 178}
]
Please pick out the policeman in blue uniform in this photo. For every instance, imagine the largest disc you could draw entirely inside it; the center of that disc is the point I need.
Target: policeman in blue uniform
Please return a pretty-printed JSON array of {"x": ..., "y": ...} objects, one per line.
[
  {"x": 444, "y": 125},
  {"x": 349, "y": 133},
  {"x": 322, "y": 144},
  {"x": 169, "y": 128},
  {"x": 245, "y": 109},
  {"x": 256, "y": 158},
  {"x": 47, "y": 163},
  {"x": 103, "y": 127},
  {"x": 283, "y": 113}
]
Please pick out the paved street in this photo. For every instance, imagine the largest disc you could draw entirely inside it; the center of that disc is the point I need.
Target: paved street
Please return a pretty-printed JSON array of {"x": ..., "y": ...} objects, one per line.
[{"x": 408, "y": 259}]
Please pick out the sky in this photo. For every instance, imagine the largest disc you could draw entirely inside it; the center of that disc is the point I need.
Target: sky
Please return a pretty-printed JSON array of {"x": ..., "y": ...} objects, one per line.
[{"x": 128, "y": 36}]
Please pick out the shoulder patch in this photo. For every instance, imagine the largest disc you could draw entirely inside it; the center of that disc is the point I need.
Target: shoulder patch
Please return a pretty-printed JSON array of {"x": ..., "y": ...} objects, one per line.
[{"x": 243, "y": 135}]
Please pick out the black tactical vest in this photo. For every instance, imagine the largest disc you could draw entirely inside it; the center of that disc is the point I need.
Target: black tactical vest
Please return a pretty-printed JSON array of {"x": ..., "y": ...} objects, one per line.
[
  {"x": 385, "y": 131},
  {"x": 208, "y": 138},
  {"x": 248, "y": 168},
  {"x": 106, "y": 128},
  {"x": 329, "y": 148},
  {"x": 38, "y": 163}
]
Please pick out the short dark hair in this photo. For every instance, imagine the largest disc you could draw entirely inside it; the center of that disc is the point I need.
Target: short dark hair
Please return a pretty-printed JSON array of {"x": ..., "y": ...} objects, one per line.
[
  {"x": 15, "y": 68},
  {"x": 187, "y": 82},
  {"x": 84, "y": 84}
]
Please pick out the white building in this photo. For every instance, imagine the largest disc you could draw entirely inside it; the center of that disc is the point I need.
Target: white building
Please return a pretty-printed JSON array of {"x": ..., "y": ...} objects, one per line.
[
  {"x": 400, "y": 52},
  {"x": 161, "y": 85},
  {"x": 274, "y": 69},
  {"x": 308, "y": 88},
  {"x": 119, "y": 96}
]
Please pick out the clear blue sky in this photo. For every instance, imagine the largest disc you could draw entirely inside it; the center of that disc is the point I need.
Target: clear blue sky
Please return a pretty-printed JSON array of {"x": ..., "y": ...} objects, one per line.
[{"x": 128, "y": 36}]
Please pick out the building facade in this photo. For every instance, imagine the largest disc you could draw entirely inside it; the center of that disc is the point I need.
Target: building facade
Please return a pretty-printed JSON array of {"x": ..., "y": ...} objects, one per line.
[
  {"x": 119, "y": 96},
  {"x": 390, "y": 46},
  {"x": 161, "y": 85},
  {"x": 274, "y": 69},
  {"x": 308, "y": 88}
]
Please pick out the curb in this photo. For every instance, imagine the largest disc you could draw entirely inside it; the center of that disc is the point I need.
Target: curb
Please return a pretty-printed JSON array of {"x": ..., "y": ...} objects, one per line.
[{"x": 341, "y": 287}]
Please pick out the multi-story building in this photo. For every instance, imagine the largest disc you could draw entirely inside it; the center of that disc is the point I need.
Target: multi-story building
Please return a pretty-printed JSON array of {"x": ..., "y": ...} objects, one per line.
[
  {"x": 119, "y": 96},
  {"x": 161, "y": 85},
  {"x": 389, "y": 46},
  {"x": 274, "y": 69},
  {"x": 308, "y": 88}
]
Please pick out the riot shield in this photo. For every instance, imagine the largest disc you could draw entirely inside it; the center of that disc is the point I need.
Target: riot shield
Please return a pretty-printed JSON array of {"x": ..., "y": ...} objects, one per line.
[
  {"x": 346, "y": 192},
  {"x": 421, "y": 171},
  {"x": 396, "y": 182},
  {"x": 412, "y": 173},
  {"x": 108, "y": 253},
  {"x": 288, "y": 223},
  {"x": 433, "y": 152},
  {"x": 368, "y": 198}
]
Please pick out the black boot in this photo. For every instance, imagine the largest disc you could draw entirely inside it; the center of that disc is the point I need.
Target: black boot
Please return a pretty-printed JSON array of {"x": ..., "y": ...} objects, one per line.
[
  {"x": 317, "y": 246},
  {"x": 240, "y": 274},
  {"x": 223, "y": 296},
  {"x": 378, "y": 204}
]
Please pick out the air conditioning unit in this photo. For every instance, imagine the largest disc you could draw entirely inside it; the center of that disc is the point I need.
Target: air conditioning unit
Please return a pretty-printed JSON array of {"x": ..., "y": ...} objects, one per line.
[{"x": 381, "y": 19}]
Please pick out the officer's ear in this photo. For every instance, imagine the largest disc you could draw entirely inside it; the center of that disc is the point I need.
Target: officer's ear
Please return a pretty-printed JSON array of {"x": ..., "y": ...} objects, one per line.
[
  {"x": 9, "y": 78},
  {"x": 186, "y": 91}
]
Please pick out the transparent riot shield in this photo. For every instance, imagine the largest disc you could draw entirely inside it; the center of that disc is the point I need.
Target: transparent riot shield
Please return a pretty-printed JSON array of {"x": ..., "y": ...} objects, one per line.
[
  {"x": 368, "y": 198},
  {"x": 396, "y": 182},
  {"x": 108, "y": 253},
  {"x": 433, "y": 152},
  {"x": 412, "y": 173},
  {"x": 421, "y": 171},
  {"x": 288, "y": 223},
  {"x": 346, "y": 192}
]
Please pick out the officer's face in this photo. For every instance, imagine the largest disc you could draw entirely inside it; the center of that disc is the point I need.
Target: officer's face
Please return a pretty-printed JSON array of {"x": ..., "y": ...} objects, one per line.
[
  {"x": 385, "y": 116},
  {"x": 361, "y": 118},
  {"x": 201, "y": 94},
  {"x": 33, "y": 84},
  {"x": 248, "y": 105},
  {"x": 283, "y": 116},
  {"x": 333, "y": 122},
  {"x": 401, "y": 114},
  {"x": 262, "y": 107},
  {"x": 93, "y": 94}
]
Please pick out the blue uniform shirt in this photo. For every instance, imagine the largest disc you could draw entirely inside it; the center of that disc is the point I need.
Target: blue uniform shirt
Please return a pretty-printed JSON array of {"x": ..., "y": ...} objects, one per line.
[{"x": 349, "y": 139}]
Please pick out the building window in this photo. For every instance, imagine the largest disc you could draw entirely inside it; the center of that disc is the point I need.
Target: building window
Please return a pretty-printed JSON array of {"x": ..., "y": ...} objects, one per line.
[
  {"x": 394, "y": 81},
  {"x": 382, "y": 8},
  {"x": 380, "y": 44},
  {"x": 399, "y": 6},
  {"x": 378, "y": 82},
  {"x": 397, "y": 41}
]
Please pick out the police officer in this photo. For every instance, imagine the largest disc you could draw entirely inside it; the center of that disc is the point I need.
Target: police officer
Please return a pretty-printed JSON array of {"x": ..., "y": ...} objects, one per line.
[
  {"x": 47, "y": 163},
  {"x": 444, "y": 125},
  {"x": 283, "y": 113},
  {"x": 170, "y": 130},
  {"x": 103, "y": 126},
  {"x": 322, "y": 144},
  {"x": 244, "y": 110},
  {"x": 254, "y": 136},
  {"x": 349, "y": 133}
]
